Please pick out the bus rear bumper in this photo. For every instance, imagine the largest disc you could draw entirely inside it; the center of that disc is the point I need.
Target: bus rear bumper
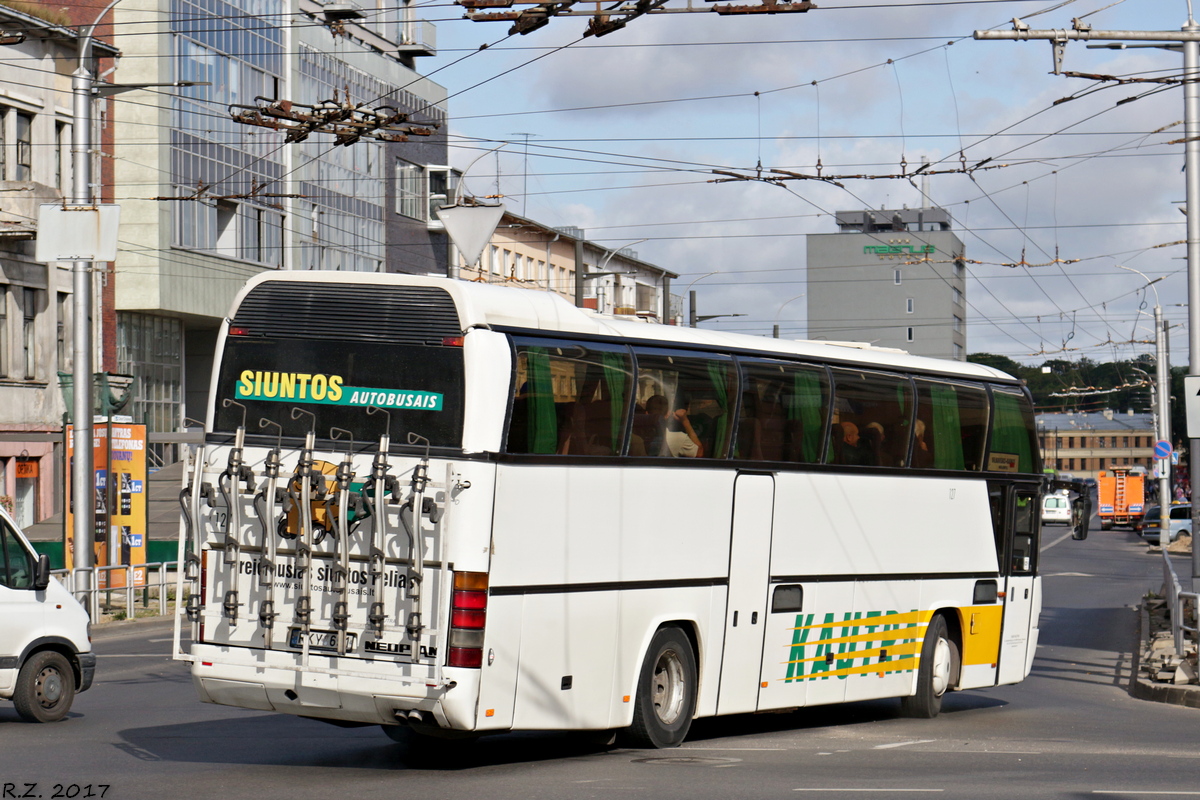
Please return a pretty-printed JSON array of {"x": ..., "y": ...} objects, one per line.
[{"x": 363, "y": 691}]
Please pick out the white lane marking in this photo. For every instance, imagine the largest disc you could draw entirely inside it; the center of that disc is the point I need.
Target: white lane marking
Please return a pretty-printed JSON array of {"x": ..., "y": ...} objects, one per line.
[
  {"x": 1062, "y": 538},
  {"x": 1068, "y": 575},
  {"x": 829, "y": 789},
  {"x": 1178, "y": 793},
  {"x": 902, "y": 744}
]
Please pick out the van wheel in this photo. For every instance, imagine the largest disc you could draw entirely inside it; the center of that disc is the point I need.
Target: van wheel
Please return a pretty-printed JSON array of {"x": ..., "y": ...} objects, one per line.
[
  {"x": 935, "y": 672},
  {"x": 666, "y": 692},
  {"x": 45, "y": 687}
]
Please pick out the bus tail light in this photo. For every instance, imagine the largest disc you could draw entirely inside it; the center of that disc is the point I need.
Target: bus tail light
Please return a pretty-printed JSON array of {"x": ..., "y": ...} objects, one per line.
[{"x": 468, "y": 617}]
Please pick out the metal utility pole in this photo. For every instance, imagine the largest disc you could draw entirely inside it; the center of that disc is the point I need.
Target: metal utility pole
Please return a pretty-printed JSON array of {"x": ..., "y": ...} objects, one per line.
[
  {"x": 1191, "y": 116},
  {"x": 1189, "y": 37},
  {"x": 82, "y": 471}
]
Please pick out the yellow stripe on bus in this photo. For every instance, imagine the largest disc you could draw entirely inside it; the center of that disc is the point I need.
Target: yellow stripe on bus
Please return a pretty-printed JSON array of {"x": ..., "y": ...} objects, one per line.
[
  {"x": 906, "y": 664},
  {"x": 909, "y": 618},
  {"x": 902, "y": 649},
  {"x": 895, "y": 634}
]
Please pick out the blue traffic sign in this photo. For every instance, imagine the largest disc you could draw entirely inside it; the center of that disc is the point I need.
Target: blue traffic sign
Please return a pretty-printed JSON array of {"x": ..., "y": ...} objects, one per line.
[{"x": 1162, "y": 449}]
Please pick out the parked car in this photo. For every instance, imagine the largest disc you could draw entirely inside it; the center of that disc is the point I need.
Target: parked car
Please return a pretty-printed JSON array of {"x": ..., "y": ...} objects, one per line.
[
  {"x": 46, "y": 654},
  {"x": 1056, "y": 509},
  {"x": 1181, "y": 523}
]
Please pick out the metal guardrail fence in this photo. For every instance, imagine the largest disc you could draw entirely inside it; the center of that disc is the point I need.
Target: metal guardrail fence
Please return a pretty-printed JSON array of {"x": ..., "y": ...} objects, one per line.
[
  {"x": 154, "y": 593},
  {"x": 1180, "y": 604}
]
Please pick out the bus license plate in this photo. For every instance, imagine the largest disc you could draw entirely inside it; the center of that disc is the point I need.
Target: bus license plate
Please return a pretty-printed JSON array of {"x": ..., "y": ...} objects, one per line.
[{"x": 319, "y": 640}]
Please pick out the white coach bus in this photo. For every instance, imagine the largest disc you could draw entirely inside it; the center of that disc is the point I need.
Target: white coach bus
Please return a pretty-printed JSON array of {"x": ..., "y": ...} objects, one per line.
[{"x": 465, "y": 509}]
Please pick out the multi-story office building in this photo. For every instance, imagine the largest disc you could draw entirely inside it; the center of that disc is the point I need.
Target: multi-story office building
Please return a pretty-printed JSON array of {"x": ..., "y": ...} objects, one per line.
[
  {"x": 893, "y": 278},
  {"x": 207, "y": 202},
  {"x": 1083, "y": 443}
]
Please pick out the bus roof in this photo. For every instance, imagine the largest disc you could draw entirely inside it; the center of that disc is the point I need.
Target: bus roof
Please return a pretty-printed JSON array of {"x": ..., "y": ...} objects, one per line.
[{"x": 482, "y": 305}]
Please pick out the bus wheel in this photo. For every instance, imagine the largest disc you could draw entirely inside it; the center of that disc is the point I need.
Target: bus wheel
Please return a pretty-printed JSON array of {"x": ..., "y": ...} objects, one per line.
[
  {"x": 45, "y": 687},
  {"x": 666, "y": 692},
  {"x": 935, "y": 672}
]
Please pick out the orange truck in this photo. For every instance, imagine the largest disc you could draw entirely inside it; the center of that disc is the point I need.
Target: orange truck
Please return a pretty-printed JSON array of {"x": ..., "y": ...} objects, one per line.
[{"x": 1122, "y": 496}]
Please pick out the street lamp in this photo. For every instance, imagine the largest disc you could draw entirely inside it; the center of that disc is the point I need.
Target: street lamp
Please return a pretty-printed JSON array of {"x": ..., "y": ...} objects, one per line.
[
  {"x": 581, "y": 276},
  {"x": 775, "y": 327},
  {"x": 706, "y": 317},
  {"x": 1161, "y": 401}
]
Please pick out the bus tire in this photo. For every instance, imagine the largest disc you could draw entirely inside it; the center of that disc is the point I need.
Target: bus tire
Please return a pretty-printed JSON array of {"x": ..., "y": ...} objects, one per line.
[
  {"x": 666, "y": 692},
  {"x": 45, "y": 687},
  {"x": 935, "y": 673}
]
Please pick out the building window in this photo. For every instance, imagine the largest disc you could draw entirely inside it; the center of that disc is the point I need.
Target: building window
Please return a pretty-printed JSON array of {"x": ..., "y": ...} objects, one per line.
[
  {"x": 443, "y": 189},
  {"x": 61, "y": 348},
  {"x": 151, "y": 349},
  {"x": 1070, "y": 463},
  {"x": 3, "y": 145},
  {"x": 910, "y": 334},
  {"x": 61, "y": 149},
  {"x": 958, "y": 324},
  {"x": 958, "y": 352},
  {"x": 410, "y": 200},
  {"x": 29, "y": 304},
  {"x": 24, "y": 161},
  {"x": 4, "y": 340},
  {"x": 958, "y": 296},
  {"x": 896, "y": 277},
  {"x": 1125, "y": 442},
  {"x": 908, "y": 307}
]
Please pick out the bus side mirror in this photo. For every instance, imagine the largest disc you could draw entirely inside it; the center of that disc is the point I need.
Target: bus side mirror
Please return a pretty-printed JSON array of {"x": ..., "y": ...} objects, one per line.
[
  {"x": 1081, "y": 516},
  {"x": 41, "y": 575}
]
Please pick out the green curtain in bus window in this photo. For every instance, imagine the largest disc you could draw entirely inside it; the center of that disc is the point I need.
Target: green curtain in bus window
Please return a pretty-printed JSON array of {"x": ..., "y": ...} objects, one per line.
[
  {"x": 616, "y": 366},
  {"x": 543, "y": 419},
  {"x": 717, "y": 373},
  {"x": 1011, "y": 436},
  {"x": 947, "y": 428},
  {"x": 805, "y": 406}
]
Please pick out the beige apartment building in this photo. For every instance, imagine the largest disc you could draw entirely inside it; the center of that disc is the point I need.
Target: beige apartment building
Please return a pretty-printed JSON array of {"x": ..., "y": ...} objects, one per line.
[{"x": 612, "y": 281}]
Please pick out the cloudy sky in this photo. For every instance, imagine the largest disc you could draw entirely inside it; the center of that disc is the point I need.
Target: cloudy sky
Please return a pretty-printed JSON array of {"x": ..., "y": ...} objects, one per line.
[{"x": 620, "y": 136}]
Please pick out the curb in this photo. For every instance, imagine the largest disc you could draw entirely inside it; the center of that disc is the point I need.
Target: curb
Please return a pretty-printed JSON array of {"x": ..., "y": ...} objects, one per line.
[{"x": 1142, "y": 689}]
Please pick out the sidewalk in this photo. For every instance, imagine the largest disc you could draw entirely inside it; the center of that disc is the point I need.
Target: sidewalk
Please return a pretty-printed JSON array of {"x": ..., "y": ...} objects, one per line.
[
  {"x": 1160, "y": 673},
  {"x": 1156, "y": 656}
]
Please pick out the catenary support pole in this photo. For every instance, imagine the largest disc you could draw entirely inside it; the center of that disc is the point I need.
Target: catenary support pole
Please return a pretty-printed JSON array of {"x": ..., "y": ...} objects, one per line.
[{"x": 1191, "y": 102}]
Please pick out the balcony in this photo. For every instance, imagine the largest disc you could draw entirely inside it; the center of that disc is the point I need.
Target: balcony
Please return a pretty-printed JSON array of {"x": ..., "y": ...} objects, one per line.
[{"x": 19, "y": 201}]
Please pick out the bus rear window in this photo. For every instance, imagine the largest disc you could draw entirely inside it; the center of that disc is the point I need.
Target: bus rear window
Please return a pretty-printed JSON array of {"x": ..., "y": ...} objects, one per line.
[{"x": 421, "y": 388}]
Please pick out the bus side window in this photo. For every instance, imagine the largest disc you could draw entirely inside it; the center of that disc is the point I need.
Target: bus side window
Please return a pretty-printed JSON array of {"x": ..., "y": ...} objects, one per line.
[
  {"x": 784, "y": 407},
  {"x": 951, "y": 424},
  {"x": 874, "y": 412},
  {"x": 1014, "y": 435},
  {"x": 569, "y": 398},
  {"x": 686, "y": 402}
]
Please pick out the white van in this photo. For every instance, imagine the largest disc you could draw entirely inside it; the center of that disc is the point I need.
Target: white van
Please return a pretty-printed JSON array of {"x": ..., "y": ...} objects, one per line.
[{"x": 45, "y": 645}]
